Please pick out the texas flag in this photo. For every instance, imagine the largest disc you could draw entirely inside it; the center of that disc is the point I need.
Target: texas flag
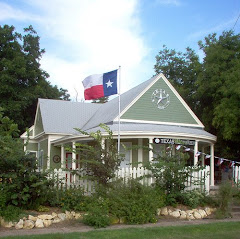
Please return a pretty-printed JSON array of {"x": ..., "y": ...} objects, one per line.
[{"x": 100, "y": 85}]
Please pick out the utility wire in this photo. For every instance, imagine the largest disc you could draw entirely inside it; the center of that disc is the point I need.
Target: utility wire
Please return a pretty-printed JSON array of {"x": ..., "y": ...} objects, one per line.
[{"x": 236, "y": 21}]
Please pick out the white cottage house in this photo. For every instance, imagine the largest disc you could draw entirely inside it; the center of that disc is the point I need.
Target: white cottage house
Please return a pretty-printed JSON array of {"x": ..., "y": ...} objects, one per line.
[{"x": 151, "y": 113}]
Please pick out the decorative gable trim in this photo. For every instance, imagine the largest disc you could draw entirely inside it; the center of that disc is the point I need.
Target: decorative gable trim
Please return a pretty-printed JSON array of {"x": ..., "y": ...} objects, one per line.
[
  {"x": 138, "y": 97},
  {"x": 182, "y": 101},
  {"x": 159, "y": 122},
  {"x": 199, "y": 123}
]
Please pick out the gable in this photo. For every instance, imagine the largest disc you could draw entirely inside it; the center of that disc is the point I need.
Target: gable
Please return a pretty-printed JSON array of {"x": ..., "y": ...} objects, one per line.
[
  {"x": 38, "y": 122},
  {"x": 174, "y": 112}
]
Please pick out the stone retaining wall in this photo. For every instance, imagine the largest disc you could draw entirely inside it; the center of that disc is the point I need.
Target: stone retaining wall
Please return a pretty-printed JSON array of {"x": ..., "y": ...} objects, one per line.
[
  {"x": 186, "y": 214},
  {"x": 40, "y": 221},
  {"x": 45, "y": 220}
]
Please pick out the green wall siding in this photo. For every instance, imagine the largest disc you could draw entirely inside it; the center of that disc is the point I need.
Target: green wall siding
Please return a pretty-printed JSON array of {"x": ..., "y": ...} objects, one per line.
[
  {"x": 145, "y": 109},
  {"x": 55, "y": 151},
  {"x": 39, "y": 124},
  {"x": 32, "y": 147},
  {"x": 145, "y": 152},
  {"x": 43, "y": 145}
]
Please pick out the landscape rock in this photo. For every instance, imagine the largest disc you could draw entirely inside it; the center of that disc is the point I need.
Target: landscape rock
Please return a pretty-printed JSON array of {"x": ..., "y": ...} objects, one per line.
[
  {"x": 45, "y": 217},
  {"x": 47, "y": 223},
  {"x": 208, "y": 210},
  {"x": 197, "y": 215},
  {"x": 6, "y": 224},
  {"x": 190, "y": 216},
  {"x": 69, "y": 215},
  {"x": 78, "y": 216},
  {"x": 19, "y": 225},
  {"x": 62, "y": 216},
  {"x": 39, "y": 223},
  {"x": 175, "y": 214},
  {"x": 183, "y": 215},
  {"x": 28, "y": 224},
  {"x": 202, "y": 212},
  {"x": 30, "y": 217},
  {"x": 164, "y": 211},
  {"x": 54, "y": 215},
  {"x": 56, "y": 220}
]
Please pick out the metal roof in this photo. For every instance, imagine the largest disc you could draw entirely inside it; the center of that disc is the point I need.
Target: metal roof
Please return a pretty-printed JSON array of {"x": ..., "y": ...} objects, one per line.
[
  {"x": 60, "y": 116},
  {"x": 155, "y": 130},
  {"x": 109, "y": 111}
]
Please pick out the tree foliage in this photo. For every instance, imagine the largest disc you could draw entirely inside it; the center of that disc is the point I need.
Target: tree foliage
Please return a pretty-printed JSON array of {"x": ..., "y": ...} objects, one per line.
[
  {"x": 219, "y": 89},
  {"x": 181, "y": 69},
  {"x": 211, "y": 88},
  {"x": 20, "y": 183},
  {"x": 101, "y": 100},
  {"x": 99, "y": 162},
  {"x": 22, "y": 81}
]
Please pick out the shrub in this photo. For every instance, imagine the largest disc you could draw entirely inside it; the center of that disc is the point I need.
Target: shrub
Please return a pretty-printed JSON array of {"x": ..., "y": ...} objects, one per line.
[
  {"x": 225, "y": 197},
  {"x": 11, "y": 213},
  {"x": 98, "y": 213},
  {"x": 134, "y": 202},
  {"x": 23, "y": 185},
  {"x": 192, "y": 198},
  {"x": 73, "y": 199},
  {"x": 171, "y": 175}
]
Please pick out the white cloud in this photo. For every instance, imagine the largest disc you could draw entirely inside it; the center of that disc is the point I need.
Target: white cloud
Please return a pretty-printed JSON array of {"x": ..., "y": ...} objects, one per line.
[
  {"x": 9, "y": 12},
  {"x": 88, "y": 37},
  {"x": 169, "y": 2}
]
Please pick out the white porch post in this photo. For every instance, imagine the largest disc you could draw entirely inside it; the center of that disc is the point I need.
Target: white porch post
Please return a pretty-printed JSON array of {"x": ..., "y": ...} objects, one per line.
[
  {"x": 202, "y": 156},
  {"x": 74, "y": 155},
  {"x": 140, "y": 152},
  {"x": 150, "y": 151},
  {"x": 195, "y": 153},
  {"x": 212, "y": 165},
  {"x": 49, "y": 153},
  {"x": 103, "y": 147},
  {"x": 74, "y": 160},
  {"x": 63, "y": 163}
]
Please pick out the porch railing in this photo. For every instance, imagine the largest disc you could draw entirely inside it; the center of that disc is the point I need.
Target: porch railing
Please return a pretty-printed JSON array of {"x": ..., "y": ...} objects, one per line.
[{"x": 68, "y": 179}]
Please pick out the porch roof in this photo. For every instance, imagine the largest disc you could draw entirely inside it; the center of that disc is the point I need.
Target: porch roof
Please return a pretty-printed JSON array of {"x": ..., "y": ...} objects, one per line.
[{"x": 147, "y": 130}]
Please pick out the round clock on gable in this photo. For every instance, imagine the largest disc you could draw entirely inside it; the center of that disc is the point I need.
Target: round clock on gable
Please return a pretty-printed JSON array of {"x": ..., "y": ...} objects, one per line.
[{"x": 160, "y": 98}]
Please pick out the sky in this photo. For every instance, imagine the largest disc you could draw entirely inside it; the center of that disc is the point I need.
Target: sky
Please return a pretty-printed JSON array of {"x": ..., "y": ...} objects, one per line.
[{"x": 85, "y": 37}]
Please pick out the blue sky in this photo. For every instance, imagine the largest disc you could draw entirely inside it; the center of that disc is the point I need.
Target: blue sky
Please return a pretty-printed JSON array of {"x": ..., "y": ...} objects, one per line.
[{"x": 84, "y": 37}]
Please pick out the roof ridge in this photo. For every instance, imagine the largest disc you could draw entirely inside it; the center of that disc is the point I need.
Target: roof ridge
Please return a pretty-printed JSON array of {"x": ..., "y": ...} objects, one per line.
[{"x": 130, "y": 94}]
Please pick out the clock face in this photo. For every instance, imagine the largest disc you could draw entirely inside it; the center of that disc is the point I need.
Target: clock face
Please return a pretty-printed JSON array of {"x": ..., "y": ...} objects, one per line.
[{"x": 160, "y": 98}]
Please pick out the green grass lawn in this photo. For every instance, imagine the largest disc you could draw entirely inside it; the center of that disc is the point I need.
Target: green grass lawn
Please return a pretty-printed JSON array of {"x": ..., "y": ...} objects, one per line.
[{"x": 228, "y": 230}]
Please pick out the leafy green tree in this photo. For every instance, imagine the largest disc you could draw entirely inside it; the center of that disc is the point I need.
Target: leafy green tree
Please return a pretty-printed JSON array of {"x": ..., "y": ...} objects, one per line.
[
  {"x": 20, "y": 183},
  {"x": 182, "y": 70},
  {"x": 99, "y": 162},
  {"x": 219, "y": 90},
  {"x": 171, "y": 174},
  {"x": 211, "y": 88},
  {"x": 101, "y": 100},
  {"x": 22, "y": 81}
]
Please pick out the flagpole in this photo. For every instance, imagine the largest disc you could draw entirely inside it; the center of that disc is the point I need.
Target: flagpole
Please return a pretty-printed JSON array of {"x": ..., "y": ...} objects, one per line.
[{"x": 119, "y": 107}]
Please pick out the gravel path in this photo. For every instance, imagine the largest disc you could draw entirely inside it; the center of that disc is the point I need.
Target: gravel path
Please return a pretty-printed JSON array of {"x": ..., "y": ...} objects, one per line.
[{"x": 74, "y": 226}]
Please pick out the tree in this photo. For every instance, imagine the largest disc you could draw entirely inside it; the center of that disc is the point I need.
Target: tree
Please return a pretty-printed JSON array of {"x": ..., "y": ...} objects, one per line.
[
  {"x": 219, "y": 90},
  {"x": 181, "y": 69},
  {"x": 22, "y": 81},
  {"x": 21, "y": 184},
  {"x": 99, "y": 162},
  {"x": 101, "y": 100},
  {"x": 211, "y": 88}
]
